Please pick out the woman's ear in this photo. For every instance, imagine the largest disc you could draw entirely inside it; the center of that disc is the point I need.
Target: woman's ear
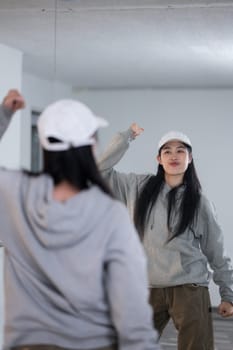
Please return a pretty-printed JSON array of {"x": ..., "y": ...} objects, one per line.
[{"x": 158, "y": 159}]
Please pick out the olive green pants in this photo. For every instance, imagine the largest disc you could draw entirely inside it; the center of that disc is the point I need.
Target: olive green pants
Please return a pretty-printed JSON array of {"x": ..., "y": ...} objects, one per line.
[
  {"x": 54, "y": 347},
  {"x": 189, "y": 308}
]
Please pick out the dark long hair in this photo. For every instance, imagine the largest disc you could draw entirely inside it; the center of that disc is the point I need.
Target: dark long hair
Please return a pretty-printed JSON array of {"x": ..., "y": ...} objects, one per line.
[
  {"x": 188, "y": 206},
  {"x": 76, "y": 165}
]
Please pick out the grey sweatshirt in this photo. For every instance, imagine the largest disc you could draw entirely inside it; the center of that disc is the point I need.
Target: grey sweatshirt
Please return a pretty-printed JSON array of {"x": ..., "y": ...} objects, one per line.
[
  {"x": 75, "y": 271},
  {"x": 184, "y": 259}
]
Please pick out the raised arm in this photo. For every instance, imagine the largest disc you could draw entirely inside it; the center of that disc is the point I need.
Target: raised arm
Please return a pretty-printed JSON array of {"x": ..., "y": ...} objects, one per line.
[
  {"x": 12, "y": 102},
  {"x": 124, "y": 186},
  {"x": 117, "y": 147}
]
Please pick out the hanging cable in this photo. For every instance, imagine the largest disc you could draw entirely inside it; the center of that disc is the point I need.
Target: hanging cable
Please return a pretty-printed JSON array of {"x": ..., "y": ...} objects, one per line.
[{"x": 55, "y": 41}]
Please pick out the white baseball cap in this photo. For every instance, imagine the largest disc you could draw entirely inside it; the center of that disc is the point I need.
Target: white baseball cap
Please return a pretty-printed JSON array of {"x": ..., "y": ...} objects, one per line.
[
  {"x": 69, "y": 121},
  {"x": 174, "y": 135}
]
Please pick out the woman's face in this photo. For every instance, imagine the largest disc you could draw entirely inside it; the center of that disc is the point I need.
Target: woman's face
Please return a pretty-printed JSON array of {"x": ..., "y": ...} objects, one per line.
[{"x": 174, "y": 158}]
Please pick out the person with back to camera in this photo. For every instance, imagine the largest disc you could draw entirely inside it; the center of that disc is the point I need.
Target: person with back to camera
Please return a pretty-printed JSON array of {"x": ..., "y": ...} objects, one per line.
[
  {"x": 180, "y": 233},
  {"x": 71, "y": 281}
]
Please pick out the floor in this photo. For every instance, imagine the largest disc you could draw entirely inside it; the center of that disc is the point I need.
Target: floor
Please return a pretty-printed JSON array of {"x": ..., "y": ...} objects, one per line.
[{"x": 223, "y": 333}]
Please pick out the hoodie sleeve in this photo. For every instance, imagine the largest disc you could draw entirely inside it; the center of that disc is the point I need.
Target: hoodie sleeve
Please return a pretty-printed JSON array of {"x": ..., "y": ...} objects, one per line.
[
  {"x": 127, "y": 286},
  {"x": 124, "y": 186},
  {"x": 212, "y": 245},
  {"x": 5, "y": 118}
]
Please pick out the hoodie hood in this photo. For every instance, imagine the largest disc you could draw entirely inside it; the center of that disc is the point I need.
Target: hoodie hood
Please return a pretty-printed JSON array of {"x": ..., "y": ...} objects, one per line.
[{"x": 56, "y": 223}]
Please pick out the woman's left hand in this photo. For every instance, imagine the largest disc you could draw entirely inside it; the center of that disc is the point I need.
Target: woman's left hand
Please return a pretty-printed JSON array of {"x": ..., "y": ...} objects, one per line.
[
  {"x": 136, "y": 130},
  {"x": 13, "y": 100},
  {"x": 225, "y": 309}
]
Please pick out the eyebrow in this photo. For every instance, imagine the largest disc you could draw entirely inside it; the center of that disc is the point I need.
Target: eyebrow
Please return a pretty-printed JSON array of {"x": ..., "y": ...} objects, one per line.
[{"x": 169, "y": 147}]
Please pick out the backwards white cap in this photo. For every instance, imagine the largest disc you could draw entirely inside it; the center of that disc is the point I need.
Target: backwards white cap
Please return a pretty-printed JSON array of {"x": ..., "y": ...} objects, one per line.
[
  {"x": 69, "y": 121},
  {"x": 174, "y": 135}
]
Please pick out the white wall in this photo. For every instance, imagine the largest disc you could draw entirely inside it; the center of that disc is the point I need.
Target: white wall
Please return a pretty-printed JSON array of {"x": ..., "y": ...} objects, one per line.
[
  {"x": 11, "y": 77},
  {"x": 38, "y": 94},
  {"x": 206, "y": 117},
  {"x": 11, "y": 73}
]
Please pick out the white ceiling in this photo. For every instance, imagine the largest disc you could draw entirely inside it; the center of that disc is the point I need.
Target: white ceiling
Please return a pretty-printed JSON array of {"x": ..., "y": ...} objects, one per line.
[{"x": 123, "y": 43}]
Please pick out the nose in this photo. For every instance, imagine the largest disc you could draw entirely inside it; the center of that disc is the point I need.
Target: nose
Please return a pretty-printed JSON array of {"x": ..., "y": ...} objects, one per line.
[{"x": 173, "y": 156}]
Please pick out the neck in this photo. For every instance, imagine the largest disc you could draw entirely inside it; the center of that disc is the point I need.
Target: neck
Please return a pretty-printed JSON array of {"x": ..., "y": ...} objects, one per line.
[
  {"x": 64, "y": 191},
  {"x": 174, "y": 180}
]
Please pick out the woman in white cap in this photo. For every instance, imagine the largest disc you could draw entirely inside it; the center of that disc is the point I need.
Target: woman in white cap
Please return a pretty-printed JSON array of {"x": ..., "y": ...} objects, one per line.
[
  {"x": 71, "y": 282},
  {"x": 178, "y": 227}
]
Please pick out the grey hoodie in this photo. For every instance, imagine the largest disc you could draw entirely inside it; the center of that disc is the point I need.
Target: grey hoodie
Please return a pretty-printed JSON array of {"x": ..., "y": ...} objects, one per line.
[
  {"x": 75, "y": 271},
  {"x": 184, "y": 259}
]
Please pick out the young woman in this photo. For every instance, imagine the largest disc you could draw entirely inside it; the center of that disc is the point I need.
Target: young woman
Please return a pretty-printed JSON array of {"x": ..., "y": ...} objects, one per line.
[
  {"x": 180, "y": 234},
  {"x": 71, "y": 282}
]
